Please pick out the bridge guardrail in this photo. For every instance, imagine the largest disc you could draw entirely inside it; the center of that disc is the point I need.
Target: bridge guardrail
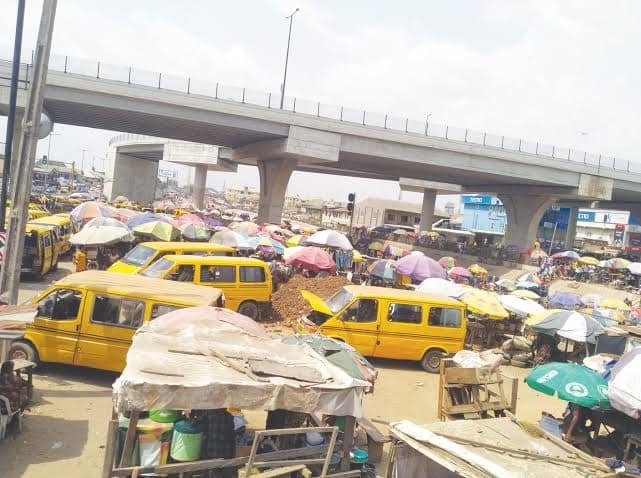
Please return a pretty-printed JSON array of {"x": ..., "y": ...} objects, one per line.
[{"x": 219, "y": 91}]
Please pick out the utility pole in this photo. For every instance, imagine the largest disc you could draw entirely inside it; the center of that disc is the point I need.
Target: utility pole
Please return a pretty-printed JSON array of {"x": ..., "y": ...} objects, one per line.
[
  {"x": 289, "y": 38},
  {"x": 21, "y": 188},
  {"x": 11, "y": 118}
]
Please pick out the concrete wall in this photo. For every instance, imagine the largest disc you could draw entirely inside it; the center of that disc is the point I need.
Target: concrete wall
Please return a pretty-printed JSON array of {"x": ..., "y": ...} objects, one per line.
[{"x": 133, "y": 177}]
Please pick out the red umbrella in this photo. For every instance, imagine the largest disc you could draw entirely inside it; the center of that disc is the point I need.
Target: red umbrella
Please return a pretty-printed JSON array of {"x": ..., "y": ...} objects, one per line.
[
  {"x": 312, "y": 258},
  {"x": 459, "y": 272},
  {"x": 189, "y": 219}
]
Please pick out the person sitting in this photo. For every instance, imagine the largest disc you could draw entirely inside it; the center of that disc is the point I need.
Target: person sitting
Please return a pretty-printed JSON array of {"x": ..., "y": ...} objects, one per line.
[{"x": 13, "y": 387}]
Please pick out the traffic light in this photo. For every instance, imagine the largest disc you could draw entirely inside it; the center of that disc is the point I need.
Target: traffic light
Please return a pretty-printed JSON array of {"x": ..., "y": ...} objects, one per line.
[{"x": 351, "y": 198}]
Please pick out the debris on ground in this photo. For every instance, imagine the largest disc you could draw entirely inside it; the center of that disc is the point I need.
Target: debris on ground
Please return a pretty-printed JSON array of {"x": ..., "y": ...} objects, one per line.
[{"x": 288, "y": 304}]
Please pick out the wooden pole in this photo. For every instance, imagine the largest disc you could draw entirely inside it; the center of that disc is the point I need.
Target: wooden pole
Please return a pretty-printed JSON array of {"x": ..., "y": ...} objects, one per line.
[
  {"x": 130, "y": 438},
  {"x": 348, "y": 441},
  {"x": 110, "y": 449}
]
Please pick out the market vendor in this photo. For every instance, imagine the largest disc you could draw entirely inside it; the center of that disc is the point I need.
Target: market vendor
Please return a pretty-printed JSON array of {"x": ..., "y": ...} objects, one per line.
[
  {"x": 13, "y": 387},
  {"x": 574, "y": 427},
  {"x": 80, "y": 259},
  {"x": 543, "y": 349}
]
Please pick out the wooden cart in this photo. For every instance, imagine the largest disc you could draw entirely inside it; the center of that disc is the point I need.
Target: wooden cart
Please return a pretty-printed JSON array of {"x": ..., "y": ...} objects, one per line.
[{"x": 473, "y": 393}]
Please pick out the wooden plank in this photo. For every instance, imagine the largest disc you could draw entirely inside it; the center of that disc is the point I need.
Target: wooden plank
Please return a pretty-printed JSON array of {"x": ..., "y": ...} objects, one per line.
[
  {"x": 372, "y": 431},
  {"x": 441, "y": 391},
  {"x": 281, "y": 471},
  {"x": 218, "y": 463},
  {"x": 514, "y": 396},
  {"x": 330, "y": 452},
  {"x": 130, "y": 438},
  {"x": 110, "y": 448}
]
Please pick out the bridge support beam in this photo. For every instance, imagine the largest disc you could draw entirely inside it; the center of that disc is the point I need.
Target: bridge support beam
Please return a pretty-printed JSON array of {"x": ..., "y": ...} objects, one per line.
[
  {"x": 200, "y": 184},
  {"x": 274, "y": 178},
  {"x": 570, "y": 236},
  {"x": 427, "y": 211},
  {"x": 524, "y": 213},
  {"x": 132, "y": 177}
]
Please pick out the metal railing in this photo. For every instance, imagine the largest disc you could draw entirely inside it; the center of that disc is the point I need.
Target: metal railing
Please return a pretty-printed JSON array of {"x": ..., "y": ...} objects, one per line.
[{"x": 222, "y": 92}]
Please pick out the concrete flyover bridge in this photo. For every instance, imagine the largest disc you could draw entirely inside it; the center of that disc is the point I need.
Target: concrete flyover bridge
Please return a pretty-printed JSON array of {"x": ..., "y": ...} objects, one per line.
[{"x": 309, "y": 136}]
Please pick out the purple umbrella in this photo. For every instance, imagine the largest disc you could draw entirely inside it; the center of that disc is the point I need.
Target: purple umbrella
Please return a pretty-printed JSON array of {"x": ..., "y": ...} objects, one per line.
[
  {"x": 144, "y": 218},
  {"x": 565, "y": 299},
  {"x": 212, "y": 222},
  {"x": 420, "y": 267}
]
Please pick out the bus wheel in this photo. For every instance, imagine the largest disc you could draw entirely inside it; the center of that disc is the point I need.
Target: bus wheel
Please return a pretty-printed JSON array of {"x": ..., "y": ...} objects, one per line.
[
  {"x": 250, "y": 309},
  {"x": 431, "y": 361},
  {"x": 23, "y": 350}
]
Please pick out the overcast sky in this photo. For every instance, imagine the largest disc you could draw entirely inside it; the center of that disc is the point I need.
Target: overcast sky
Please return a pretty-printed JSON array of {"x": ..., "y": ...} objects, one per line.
[{"x": 563, "y": 72}]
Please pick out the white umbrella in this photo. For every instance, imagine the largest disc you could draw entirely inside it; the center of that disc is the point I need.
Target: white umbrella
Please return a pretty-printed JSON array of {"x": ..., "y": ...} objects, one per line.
[
  {"x": 436, "y": 285},
  {"x": 520, "y": 306},
  {"x": 330, "y": 238},
  {"x": 635, "y": 268},
  {"x": 624, "y": 389},
  {"x": 102, "y": 231}
]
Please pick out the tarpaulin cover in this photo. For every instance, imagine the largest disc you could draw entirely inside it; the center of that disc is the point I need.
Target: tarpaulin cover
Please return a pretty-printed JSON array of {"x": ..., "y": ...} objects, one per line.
[{"x": 191, "y": 359}]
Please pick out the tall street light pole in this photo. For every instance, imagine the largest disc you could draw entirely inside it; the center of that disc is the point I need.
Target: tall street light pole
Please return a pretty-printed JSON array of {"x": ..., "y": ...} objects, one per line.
[
  {"x": 289, "y": 38},
  {"x": 11, "y": 118}
]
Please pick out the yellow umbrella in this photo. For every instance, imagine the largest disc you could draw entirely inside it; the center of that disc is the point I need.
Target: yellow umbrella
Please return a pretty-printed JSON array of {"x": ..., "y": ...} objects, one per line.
[
  {"x": 357, "y": 256},
  {"x": 591, "y": 261},
  {"x": 615, "y": 304},
  {"x": 604, "y": 313},
  {"x": 526, "y": 294},
  {"x": 477, "y": 269},
  {"x": 294, "y": 240},
  {"x": 485, "y": 303}
]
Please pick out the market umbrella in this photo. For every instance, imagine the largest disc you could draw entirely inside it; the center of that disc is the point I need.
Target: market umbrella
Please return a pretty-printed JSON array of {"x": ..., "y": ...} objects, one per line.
[
  {"x": 122, "y": 213},
  {"x": 212, "y": 222},
  {"x": 606, "y": 317},
  {"x": 459, "y": 272},
  {"x": 195, "y": 232},
  {"x": 157, "y": 230},
  {"x": 617, "y": 263},
  {"x": 400, "y": 232},
  {"x": 330, "y": 238},
  {"x": 566, "y": 255},
  {"x": 436, "y": 285},
  {"x": 527, "y": 285},
  {"x": 144, "y": 217},
  {"x": 525, "y": 293},
  {"x": 625, "y": 384},
  {"x": 506, "y": 284},
  {"x": 477, "y": 269},
  {"x": 266, "y": 242},
  {"x": 570, "y": 382},
  {"x": 447, "y": 262},
  {"x": 383, "y": 269},
  {"x": 376, "y": 246},
  {"x": 297, "y": 240},
  {"x": 537, "y": 253},
  {"x": 246, "y": 227},
  {"x": 85, "y": 212},
  {"x": 290, "y": 250},
  {"x": 419, "y": 267},
  {"x": 635, "y": 268},
  {"x": 569, "y": 324},
  {"x": 312, "y": 258},
  {"x": 102, "y": 231},
  {"x": 231, "y": 239},
  {"x": 564, "y": 299},
  {"x": 339, "y": 353},
  {"x": 520, "y": 306},
  {"x": 482, "y": 302},
  {"x": 591, "y": 300},
  {"x": 612, "y": 303},
  {"x": 189, "y": 219},
  {"x": 431, "y": 234},
  {"x": 121, "y": 199},
  {"x": 589, "y": 260}
]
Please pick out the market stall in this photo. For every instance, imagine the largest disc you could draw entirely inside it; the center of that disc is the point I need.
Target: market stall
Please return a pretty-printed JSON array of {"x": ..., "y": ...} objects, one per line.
[{"x": 210, "y": 360}]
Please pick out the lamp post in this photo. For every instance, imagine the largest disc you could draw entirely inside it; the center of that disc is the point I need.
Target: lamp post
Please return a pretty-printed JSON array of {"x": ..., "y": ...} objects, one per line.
[{"x": 289, "y": 38}]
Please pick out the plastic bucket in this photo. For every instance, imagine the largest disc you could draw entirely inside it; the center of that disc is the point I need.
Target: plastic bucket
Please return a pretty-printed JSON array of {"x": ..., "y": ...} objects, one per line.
[{"x": 186, "y": 441}]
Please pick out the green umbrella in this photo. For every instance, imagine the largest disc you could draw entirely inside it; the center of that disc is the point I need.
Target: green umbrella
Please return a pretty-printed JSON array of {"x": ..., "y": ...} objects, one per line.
[
  {"x": 158, "y": 230},
  {"x": 571, "y": 382},
  {"x": 195, "y": 232}
]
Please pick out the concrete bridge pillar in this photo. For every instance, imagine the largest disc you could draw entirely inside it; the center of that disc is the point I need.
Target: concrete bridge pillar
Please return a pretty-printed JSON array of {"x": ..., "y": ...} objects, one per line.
[
  {"x": 570, "y": 237},
  {"x": 200, "y": 184},
  {"x": 132, "y": 177},
  {"x": 524, "y": 213},
  {"x": 427, "y": 211},
  {"x": 274, "y": 178}
]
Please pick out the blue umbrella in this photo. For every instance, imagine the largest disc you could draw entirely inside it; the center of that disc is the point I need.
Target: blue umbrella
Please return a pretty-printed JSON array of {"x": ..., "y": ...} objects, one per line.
[
  {"x": 144, "y": 218},
  {"x": 565, "y": 299},
  {"x": 527, "y": 285}
]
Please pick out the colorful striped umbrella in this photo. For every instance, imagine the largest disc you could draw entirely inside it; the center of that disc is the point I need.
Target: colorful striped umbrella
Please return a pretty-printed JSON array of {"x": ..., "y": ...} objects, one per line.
[
  {"x": 447, "y": 262},
  {"x": 85, "y": 212}
]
